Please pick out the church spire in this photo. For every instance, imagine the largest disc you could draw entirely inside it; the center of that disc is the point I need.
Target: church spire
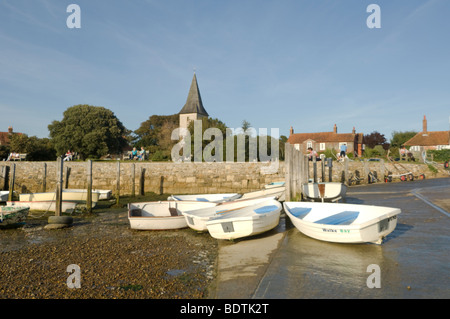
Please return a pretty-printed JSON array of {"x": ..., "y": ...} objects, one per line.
[{"x": 194, "y": 100}]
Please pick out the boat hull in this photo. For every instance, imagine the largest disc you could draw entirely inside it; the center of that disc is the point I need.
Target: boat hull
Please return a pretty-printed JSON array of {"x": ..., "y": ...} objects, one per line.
[
  {"x": 333, "y": 191},
  {"x": 244, "y": 223},
  {"x": 161, "y": 215},
  {"x": 214, "y": 198},
  {"x": 104, "y": 194},
  {"x": 10, "y": 216},
  {"x": 197, "y": 219},
  {"x": 4, "y": 196},
  {"x": 277, "y": 192},
  {"x": 70, "y": 196},
  {"x": 371, "y": 224},
  {"x": 50, "y": 206}
]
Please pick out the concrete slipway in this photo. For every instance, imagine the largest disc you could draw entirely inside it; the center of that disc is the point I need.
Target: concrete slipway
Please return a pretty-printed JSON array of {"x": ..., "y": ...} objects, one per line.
[{"x": 285, "y": 264}]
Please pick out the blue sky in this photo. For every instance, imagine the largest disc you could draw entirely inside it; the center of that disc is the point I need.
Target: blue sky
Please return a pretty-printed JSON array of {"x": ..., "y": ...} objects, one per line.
[{"x": 307, "y": 64}]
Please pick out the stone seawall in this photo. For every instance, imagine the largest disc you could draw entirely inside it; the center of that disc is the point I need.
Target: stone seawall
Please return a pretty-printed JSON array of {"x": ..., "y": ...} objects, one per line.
[
  {"x": 158, "y": 177},
  {"x": 187, "y": 178}
]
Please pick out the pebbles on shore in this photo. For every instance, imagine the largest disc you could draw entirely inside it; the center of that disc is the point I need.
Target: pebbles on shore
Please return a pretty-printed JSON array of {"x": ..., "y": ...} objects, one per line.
[{"x": 115, "y": 261}]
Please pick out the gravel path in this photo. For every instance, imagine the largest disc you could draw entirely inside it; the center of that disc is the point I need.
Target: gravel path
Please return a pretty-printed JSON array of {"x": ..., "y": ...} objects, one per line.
[{"x": 115, "y": 261}]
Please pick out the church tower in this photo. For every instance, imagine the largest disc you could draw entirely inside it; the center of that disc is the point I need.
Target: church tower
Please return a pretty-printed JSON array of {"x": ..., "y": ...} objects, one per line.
[{"x": 193, "y": 109}]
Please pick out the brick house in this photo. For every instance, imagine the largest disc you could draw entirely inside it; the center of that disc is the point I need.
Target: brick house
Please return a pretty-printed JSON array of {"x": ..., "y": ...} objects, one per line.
[
  {"x": 429, "y": 140},
  {"x": 327, "y": 140}
]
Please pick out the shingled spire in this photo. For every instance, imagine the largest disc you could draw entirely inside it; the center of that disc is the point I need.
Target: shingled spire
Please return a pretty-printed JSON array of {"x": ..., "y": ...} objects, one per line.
[{"x": 194, "y": 100}]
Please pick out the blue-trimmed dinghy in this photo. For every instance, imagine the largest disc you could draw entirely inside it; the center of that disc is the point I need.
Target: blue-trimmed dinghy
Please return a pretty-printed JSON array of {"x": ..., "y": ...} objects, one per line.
[{"x": 343, "y": 223}]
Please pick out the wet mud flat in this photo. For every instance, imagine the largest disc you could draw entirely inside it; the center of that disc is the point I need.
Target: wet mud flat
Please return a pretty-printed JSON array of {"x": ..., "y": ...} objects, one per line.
[{"x": 115, "y": 261}]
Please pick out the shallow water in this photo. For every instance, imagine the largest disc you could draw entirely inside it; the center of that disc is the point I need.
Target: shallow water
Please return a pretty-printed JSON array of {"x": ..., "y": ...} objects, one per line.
[{"x": 413, "y": 260}]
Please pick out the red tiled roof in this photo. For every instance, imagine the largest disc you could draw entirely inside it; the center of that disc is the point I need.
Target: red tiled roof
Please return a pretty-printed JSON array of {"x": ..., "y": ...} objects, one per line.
[
  {"x": 324, "y": 137},
  {"x": 429, "y": 139}
]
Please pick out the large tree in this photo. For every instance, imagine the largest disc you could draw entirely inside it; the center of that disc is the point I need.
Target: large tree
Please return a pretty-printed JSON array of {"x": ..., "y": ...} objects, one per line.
[
  {"x": 375, "y": 138},
  {"x": 91, "y": 131},
  {"x": 154, "y": 135},
  {"x": 399, "y": 138}
]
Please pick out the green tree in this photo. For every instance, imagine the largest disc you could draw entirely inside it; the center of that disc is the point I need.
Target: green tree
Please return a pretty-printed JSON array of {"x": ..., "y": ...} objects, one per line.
[
  {"x": 91, "y": 131},
  {"x": 155, "y": 134},
  {"x": 399, "y": 138},
  {"x": 37, "y": 149}
]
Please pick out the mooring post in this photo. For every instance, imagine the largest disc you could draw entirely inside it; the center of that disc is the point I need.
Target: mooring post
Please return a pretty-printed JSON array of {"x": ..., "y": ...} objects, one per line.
[
  {"x": 133, "y": 179},
  {"x": 142, "y": 182},
  {"x": 44, "y": 179},
  {"x": 287, "y": 178},
  {"x": 330, "y": 169},
  {"x": 118, "y": 183},
  {"x": 59, "y": 182},
  {"x": 12, "y": 177},
  {"x": 89, "y": 186},
  {"x": 322, "y": 166},
  {"x": 314, "y": 160}
]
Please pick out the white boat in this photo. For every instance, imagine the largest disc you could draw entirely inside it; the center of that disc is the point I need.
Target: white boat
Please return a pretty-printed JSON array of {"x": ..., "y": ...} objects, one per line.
[
  {"x": 162, "y": 215},
  {"x": 79, "y": 196},
  {"x": 197, "y": 219},
  {"x": 45, "y": 206},
  {"x": 13, "y": 215},
  {"x": 4, "y": 196},
  {"x": 277, "y": 192},
  {"x": 216, "y": 198},
  {"x": 247, "y": 221},
  {"x": 274, "y": 184},
  {"x": 103, "y": 193},
  {"x": 343, "y": 223},
  {"x": 327, "y": 192}
]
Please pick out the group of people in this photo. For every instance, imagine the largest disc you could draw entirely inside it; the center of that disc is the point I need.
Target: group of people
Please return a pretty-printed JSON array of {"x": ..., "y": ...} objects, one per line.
[
  {"x": 12, "y": 156},
  {"x": 340, "y": 156},
  {"x": 135, "y": 155}
]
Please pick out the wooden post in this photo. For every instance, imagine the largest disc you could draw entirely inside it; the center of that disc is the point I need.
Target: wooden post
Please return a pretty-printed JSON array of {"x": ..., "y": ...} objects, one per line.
[
  {"x": 89, "y": 186},
  {"x": 305, "y": 177},
  {"x": 59, "y": 182},
  {"x": 141, "y": 181},
  {"x": 66, "y": 181},
  {"x": 12, "y": 177},
  {"x": 4, "y": 176},
  {"x": 295, "y": 174},
  {"x": 314, "y": 160},
  {"x": 133, "y": 179},
  {"x": 118, "y": 183},
  {"x": 287, "y": 160},
  {"x": 330, "y": 169},
  {"x": 44, "y": 179},
  {"x": 322, "y": 166}
]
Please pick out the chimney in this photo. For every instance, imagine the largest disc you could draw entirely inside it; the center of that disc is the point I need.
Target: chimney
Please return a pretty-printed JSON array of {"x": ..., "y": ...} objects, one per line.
[
  {"x": 335, "y": 128},
  {"x": 291, "y": 132},
  {"x": 424, "y": 124},
  {"x": 353, "y": 131},
  {"x": 10, "y": 130}
]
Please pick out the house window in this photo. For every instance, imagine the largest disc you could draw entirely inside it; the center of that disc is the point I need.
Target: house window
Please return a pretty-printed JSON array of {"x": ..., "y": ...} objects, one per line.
[
  {"x": 309, "y": 144},
  {"x": 322, "y": 147},
  {"x": 297, "y": 147}
]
